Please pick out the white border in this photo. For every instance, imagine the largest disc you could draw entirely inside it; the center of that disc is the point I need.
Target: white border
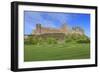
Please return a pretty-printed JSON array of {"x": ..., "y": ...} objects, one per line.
[{"x": 22, "y": 64}]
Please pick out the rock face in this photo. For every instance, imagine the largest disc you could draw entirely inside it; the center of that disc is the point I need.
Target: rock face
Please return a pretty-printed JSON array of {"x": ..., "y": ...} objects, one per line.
[{"x": 64, "y": 29}]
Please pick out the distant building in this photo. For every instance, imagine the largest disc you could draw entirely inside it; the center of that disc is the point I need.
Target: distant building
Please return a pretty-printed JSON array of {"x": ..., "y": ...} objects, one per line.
[
  {"x": 77, "y": 30},
  {"x": 43, "y": 30},
  {"x": 63, "y": 29}
]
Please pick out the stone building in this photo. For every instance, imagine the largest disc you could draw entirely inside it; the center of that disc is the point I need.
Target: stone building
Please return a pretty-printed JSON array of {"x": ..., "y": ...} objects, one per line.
[
  {"x": 77, "y": 30},
  {"x": 63, "y": 29},
  {"x": 46, "y": 30},
  {"x": 57, "y": 33}
]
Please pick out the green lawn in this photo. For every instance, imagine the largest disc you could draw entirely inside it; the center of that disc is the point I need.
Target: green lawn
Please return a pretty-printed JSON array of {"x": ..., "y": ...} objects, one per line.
[{"x": 66, "y": 51}]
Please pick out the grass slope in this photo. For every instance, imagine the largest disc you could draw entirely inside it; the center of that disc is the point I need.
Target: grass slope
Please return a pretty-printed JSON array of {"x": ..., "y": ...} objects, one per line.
[{"x": 66, "y": 51}]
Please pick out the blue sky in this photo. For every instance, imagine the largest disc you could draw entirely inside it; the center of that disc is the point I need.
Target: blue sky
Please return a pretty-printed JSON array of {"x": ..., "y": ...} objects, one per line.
[{"x": 55, "y": 20}]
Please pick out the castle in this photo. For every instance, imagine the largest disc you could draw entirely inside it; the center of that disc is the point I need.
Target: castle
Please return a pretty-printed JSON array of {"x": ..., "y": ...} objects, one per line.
[
  {"x": 63, "y": 29},
  {"x": 57, "y": 33}
]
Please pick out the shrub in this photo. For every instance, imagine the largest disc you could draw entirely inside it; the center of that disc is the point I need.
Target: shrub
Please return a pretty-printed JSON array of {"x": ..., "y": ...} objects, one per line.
[
  {"x": 77, "y": 38},
  {"x": 51, "y": 40},
  {"x": 68, "y": 39},
  {"x": 83, "y": 41},
  {"x": 40, "y": 40},
  {"x": 31, "y": 40},
  {"x": 26, "y": 41}
]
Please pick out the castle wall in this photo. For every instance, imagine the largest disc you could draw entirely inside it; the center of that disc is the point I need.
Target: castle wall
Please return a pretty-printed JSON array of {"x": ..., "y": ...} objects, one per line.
[{"x": 64, "y": 29}]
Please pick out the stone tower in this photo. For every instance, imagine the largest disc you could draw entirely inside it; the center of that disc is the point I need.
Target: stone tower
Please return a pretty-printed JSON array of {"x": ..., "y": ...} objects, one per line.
[{"x": 38, "y": 28}]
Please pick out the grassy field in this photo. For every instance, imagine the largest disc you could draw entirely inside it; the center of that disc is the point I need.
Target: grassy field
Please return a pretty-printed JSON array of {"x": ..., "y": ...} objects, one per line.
[{"x": 66, "y": 51}]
